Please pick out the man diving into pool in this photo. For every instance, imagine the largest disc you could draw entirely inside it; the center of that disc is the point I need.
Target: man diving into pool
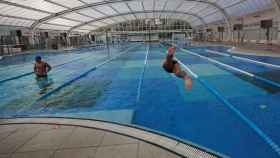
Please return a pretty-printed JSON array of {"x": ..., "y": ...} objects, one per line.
[
  {"x": 170, "y": 65},
  {"x": 41, "y": 70}
]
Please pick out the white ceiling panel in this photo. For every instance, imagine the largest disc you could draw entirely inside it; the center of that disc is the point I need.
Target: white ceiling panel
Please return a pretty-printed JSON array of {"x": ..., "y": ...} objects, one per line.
[
  {"x": 198, "y": 7},
  {"x": 118, "y": 19},
  {"x": 141, "y": 15},
  {"x": 92, "y": 13},
  {"x": 98, "y": 23},
  {"x": 87, "y": 27},
  {"x": 53, "y": 27},
  {"x": 21, "y": 12},
  {"x": 121, "y": 7},
  {"x": 83, "y": 31},
  {"x": 173, "y": 5},
  {"x": 15, "y": 22},
  {"x": 39, "y": 9},
  {"x": 39, "y": 4},
  {"x": 159, "y": 4},
  {"x": 150, "y": 15},
  {"x": 226, "y": 3},
  {"x": 69, "y": 3},
  {"x": 129, "y": 17},
  {"x": 196, "y": 23},
  {"x": 108, "y": 21},
  {"x": 148, "y": 4},
  {"x": 106, "y": 10},
  {"x": 92, "y": 1},
  {"x": 135, "y": 5},
  {"x": 213, "y": 18},
  {"x": 187, "y": 6},
  {"x": 61, "y": 21},
  {"x": 78, "y": 17}
]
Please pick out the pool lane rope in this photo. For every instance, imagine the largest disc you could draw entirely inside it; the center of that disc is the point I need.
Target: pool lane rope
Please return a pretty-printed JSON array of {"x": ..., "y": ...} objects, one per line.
[
  {"x": 30, "y": 73},
  {"x": 45, "y": 96},
  {"x": 234, "y": 69},
  {"x": 81, "y": 75},
  {"x": 244, "y": 59},
  {"x": 223, "y": 99},
  {"x": 139, "y": 88}
]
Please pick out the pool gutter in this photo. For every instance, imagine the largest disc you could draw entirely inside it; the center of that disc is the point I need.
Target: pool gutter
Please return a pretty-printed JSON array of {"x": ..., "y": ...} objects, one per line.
[{"x": 182, "y": 149}]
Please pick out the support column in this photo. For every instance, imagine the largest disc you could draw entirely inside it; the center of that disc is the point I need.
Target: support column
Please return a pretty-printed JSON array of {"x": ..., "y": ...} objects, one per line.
[
  {"x": 276, "y": 4},
  {"x": 32, "y": 38},
  {"x": 68, "y": 41},
  {"x": 107, "y": 43}
]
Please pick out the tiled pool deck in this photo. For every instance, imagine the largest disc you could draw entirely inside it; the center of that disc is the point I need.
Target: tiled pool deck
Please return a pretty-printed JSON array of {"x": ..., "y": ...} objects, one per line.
[{"x": 67, "y": 138}]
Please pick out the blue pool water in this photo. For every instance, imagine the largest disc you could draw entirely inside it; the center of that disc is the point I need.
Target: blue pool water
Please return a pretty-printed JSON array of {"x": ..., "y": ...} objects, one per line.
[{"x": 132, "y": 90}]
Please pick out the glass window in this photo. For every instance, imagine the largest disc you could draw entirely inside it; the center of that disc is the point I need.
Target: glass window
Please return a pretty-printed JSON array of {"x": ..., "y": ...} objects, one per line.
[
  {"x": 21, "y": 12},
  {"x": 87, "y": 27},
  {"x": 78, "y": 17},
  {"x": 69, "y": 3},
  {"x": 148, "y": 4},
  {"x": 92, "y": 1},
  {"x": 40, "y": 4},
  {"x": 92, "y": 13},
  {"x": 159, "y": 4},
  {"x": 173, "y": 5},
  {"x": 98, "y": 23},
  {"x": 61, "y": 21},
  {"x": 106, "y": 10},
  {"x": 53, "y": 27},
  {"x": 121, "y": 7},
  {"x": 136, "y": 6},
  {"x": 15, "y": 22}
]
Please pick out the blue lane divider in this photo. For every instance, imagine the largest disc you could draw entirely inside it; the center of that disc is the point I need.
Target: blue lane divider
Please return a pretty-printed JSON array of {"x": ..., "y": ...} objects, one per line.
[
  {"x": 80, "y": 76},
  {"x": 229, "y": 67},
  {"x": 250, "y": 123},
  {"x": 224, "y": 100},
  {"x": 30, "y": 73},
  {"x": 244, "y": 59},
  {"x": 139, "y": 88}
]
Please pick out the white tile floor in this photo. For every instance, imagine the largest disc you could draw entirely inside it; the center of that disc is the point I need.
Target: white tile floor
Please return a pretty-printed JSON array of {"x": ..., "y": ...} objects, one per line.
[{"x": 53, "y": 140}]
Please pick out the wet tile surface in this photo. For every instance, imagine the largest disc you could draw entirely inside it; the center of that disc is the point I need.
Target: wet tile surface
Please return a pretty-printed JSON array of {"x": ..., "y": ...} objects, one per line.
[{"x": 53, "y": 141}]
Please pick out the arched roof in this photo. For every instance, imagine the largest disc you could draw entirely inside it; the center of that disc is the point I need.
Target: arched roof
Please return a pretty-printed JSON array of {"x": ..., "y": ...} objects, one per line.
[{"x": 87, "y": 15}]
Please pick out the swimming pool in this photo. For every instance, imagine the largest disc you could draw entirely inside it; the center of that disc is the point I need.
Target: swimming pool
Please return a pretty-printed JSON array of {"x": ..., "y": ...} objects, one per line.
[{"x": 130, "y": 87}]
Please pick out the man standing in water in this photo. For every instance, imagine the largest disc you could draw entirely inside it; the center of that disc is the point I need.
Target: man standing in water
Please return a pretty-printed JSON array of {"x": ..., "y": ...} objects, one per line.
[
  {"x": 170, "y": 65},
  {"x": 41, "y": 70}
]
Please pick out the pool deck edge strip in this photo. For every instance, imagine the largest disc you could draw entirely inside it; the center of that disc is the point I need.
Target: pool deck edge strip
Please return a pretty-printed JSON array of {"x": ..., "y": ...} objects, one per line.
[
  {"x": 81, "y": 75},
  {"x": 175, "y": 146},
  {"x": 234, "y": 69},
  {"x": 142, "y": 75},
  {"x": 30, "y": 73},
  {"x": 244, "y": 59},
  {"x": 250, "y": 123}
]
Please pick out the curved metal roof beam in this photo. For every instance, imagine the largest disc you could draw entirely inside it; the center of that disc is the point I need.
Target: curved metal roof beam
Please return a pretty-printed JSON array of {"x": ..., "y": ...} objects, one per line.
[
  {"x": 62, "y": 13},
  {"x": 137, "y": 12}
]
